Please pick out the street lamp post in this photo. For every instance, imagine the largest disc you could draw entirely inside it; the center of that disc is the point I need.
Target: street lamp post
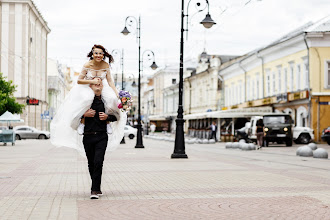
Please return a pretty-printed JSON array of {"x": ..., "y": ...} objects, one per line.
[
  {"x": 128, "y": 21},
  {"x": 121, "y": 54},
  {"x": 179, "y": 145},
  {"x": 115, "y": 51}
]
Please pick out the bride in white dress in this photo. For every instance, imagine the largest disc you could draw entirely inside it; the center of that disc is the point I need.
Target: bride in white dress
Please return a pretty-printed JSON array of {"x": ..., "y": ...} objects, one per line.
[{"x": 64, "y": 126}]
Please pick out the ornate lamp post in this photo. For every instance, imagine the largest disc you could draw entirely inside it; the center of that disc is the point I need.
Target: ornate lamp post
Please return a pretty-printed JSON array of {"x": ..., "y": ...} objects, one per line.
[
  {"x": 121, "y": 54},
  {"x": 129, "y": 22},
  {"x": 179, "y": 146}
]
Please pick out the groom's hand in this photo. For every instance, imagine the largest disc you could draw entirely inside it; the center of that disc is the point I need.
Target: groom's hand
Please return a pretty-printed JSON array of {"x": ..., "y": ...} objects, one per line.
[
  {"x": 103, "y": 116},
  {"x": 89, "y": 113}
]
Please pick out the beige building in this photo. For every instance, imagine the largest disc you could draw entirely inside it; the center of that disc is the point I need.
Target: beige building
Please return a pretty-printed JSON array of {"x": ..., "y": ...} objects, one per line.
[
  {"x": 291, "y": 75},
  {"x": 203, "y": 93},
  {"x": 23, "y": 35}
]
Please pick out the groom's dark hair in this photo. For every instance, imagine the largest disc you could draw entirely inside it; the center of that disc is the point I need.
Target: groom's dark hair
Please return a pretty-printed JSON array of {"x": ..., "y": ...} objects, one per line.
[{"x": 105, "y": 51}]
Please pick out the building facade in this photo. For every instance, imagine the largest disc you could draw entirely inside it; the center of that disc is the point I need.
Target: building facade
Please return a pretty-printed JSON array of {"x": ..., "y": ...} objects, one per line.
[
  {"x": 162, "y": 79},
  {"x": 23, "y": 34},
  {"x": 203, "y": 93},
  {"x": 290, "y": 75},
  {"x": 56, "y": 87}
]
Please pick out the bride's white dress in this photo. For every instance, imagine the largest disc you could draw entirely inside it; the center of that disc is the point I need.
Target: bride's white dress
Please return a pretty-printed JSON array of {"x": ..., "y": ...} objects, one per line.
[{"x": 63, "y": 128}]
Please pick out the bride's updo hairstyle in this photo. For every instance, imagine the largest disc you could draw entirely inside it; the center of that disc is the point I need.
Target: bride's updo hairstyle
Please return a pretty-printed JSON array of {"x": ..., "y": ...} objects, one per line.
[{"x": 106, "y": 54}]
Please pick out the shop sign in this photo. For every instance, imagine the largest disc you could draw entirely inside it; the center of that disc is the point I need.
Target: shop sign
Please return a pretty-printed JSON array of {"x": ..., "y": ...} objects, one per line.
[
  {"x": 282, "y": 97},
  {"x": 297, "y": 95},
  {"x": 267, "y": 101},
  {"x": 32, "y": 101}
]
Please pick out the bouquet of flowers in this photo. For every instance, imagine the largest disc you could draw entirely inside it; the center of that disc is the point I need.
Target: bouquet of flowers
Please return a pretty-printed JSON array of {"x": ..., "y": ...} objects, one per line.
[{"x": 125, "y": 100}]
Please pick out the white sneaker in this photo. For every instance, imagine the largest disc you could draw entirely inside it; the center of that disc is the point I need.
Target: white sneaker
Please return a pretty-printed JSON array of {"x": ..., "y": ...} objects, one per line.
[
  {"x": 109, "y": 128},
  {"x": 81, "y": 128}
]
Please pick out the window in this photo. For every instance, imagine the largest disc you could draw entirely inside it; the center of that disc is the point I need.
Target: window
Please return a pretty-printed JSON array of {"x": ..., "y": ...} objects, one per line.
[
  {"x": 268, "y": 85},
  {"x": 291, "y": 76},
  {"x": 226, "y": 96},
  {"x": 248, "y": 88},
  {"x": 258, "y": 87},
  {"x": 173, "y": 81},
  {"x": 306, "y": 75},
  {"x": 285, "y": 80},
  {"x": 241, "y": 92},
  {"x": 22, "y": 129},
  {"x": 253, "y": 90},
  {"x": 232, "y": 92},
  {"x": 274, "y": 84},
  {"x": 327, "y": 75},
  {"x": 279, "y": 78},
  {"x": 298, "y": 72}
]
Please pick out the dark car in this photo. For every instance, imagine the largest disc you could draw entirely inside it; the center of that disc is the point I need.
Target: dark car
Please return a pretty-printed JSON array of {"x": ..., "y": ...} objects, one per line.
[
  {"x": 278, "y": 128},
  {"x": 326, "y": 135}
]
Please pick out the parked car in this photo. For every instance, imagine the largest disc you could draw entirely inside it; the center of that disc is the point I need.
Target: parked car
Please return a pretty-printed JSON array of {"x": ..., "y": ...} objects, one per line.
[
  {"x": 326, "y": 135},
  {"x": 130, "y": 132},
  {"x": 27, "y": 132},
  {"x": 302, "y": 135}
]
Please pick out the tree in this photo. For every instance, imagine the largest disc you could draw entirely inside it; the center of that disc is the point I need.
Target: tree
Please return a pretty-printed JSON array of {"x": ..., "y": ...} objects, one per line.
[{"x": 7, "y": 99}]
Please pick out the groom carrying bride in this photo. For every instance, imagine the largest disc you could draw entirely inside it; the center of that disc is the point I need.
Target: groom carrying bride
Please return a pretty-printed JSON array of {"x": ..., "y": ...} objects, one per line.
[{"x": 95, "y": 138}]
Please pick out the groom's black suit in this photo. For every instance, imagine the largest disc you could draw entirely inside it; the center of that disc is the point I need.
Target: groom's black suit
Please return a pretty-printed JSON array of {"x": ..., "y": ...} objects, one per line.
[{"x": 95, "y": 142}]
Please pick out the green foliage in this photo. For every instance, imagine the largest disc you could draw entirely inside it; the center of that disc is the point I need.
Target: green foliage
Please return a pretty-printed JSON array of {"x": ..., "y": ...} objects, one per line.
[{"x": 7, "y": 99}]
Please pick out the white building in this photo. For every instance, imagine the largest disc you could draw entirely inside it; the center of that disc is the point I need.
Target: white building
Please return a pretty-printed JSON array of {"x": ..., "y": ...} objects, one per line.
[
  {"x": 23, "y": 35},
  {"x": 162, "y": 79},
  {"x": 56, "y": 86},
  {"x": 171, "y": 103}
]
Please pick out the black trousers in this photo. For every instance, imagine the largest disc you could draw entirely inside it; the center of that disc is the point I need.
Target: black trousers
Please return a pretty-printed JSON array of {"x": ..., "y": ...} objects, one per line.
[
  {"x": 95, "y": 146},
  {"x": 214, "y": 135}
]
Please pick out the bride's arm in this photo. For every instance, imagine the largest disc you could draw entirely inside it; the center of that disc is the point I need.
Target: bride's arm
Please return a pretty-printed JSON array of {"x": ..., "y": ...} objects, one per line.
[
  {"x": 111, "y": 83},
  {"x": 82, "y": 80}
]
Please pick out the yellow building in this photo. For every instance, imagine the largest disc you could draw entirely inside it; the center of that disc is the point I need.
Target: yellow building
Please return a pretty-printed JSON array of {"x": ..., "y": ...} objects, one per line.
[{"x": 292, "y": 75}]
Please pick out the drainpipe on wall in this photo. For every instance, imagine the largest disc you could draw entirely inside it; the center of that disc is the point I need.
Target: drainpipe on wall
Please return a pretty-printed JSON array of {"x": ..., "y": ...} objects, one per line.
[
  {"x": 262, "y": 73},
  {"x": 245, "y": 99},
  {"x": 189, "y": 96},
  {"x": 222, "y": 92},
  {"x": 308, "y": 83}
]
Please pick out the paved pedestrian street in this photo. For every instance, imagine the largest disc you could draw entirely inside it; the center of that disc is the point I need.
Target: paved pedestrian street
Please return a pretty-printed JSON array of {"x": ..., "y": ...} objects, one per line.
[{"x": 39, "y": 181}]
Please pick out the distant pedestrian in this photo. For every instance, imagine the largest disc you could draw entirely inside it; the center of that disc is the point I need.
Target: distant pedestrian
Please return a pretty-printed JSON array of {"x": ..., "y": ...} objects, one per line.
[
  {"x": 152, "y": 128},
  {"x": 214, "y": 129},
  {"x": 260, "y": 133}
]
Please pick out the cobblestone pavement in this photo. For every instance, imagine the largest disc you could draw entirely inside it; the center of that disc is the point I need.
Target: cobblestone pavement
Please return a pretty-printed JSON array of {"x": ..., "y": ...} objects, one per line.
[{"x": 39, "y": 181}]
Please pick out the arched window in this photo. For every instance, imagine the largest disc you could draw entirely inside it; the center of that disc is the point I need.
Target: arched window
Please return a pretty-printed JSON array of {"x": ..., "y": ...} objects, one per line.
[{"x": 302, "y": 116}]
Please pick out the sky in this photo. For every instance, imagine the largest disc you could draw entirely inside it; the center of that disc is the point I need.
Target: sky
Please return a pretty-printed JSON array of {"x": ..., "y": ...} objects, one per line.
[{"x": 242, "y": 26}]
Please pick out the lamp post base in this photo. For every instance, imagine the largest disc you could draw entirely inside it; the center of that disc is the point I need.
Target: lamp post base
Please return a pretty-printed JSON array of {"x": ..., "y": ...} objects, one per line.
[
  {"x": 176, "y": 155},
  {"x": 179, "y": 145},
  {"x": 139, "y": 146},
  {"x": 139, "y": 142}
]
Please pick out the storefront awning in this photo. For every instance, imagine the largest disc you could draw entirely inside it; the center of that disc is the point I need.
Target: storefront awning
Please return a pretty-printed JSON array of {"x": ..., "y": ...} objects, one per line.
[
  {"x": 157, "y": 118},
  {"x": 232, "y": 113}
]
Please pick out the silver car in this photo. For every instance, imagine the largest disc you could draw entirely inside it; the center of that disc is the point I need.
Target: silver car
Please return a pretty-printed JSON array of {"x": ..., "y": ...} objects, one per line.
[{"x": 27, "y": 132}]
